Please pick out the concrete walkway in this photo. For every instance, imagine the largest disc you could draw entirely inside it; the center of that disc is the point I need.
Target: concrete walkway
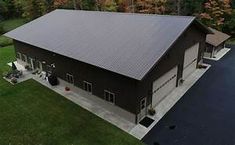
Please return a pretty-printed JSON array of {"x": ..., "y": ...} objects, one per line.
[
  {"x": 219, "y": 54},
  {"x": 101, "y": 108},
  {"x": 90, "y": 103}
]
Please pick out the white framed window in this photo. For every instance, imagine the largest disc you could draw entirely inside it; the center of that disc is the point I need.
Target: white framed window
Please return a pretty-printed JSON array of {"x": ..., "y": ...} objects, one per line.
[
  {"x": 24, "y": 58},
  {"x": 40, "y": 65},
  {"x": 109, "y": 96},
  {"x": 32, "y": 63},
  {"x": 19, "y": 55},
  {"x": 69, "y": 78},
  {"x": 87, "y": 86}
]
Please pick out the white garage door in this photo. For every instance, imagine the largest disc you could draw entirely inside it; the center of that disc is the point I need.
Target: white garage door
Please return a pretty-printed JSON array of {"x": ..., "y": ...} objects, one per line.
[
  {"x": 190, "y": 60},
  {"x": 164, "y": 85}
]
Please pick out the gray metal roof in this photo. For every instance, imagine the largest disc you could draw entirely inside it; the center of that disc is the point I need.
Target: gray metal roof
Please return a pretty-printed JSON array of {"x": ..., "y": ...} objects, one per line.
[{"x": 124, "y": 43}]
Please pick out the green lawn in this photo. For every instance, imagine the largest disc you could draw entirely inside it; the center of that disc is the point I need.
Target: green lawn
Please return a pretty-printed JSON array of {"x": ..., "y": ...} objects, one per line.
[
  {"x": 11, "y": 24},
  {"x": 31, "y": 114},
  {"x": 5, "y": 41},
  {"x": 231, "y": 41}
]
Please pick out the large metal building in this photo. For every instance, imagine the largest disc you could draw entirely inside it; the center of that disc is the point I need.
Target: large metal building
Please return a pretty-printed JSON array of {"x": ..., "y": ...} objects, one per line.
[{"x": 132, "y": 61}]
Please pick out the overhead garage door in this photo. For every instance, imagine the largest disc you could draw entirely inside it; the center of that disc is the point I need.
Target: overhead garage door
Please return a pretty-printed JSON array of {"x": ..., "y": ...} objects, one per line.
[
  {"x": 190, "y": 60},
  {"x": 164, "y": 85}
]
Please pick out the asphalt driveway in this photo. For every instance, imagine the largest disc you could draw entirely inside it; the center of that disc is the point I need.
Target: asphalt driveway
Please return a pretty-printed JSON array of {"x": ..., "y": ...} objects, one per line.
[{"x": 205, "y": 115}]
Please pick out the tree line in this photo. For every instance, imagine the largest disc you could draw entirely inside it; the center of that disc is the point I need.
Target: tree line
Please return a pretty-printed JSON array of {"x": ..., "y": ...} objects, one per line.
[{"x": 219, "y": 14}]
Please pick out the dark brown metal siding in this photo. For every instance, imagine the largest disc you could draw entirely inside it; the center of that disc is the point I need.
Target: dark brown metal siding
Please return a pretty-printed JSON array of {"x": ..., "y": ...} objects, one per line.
[
  {"x": 209, "y": 47},
  {"x": 175, "y": 56},
  {"x": 123, "y": 87},
  {"x": 128, "y": 91}
]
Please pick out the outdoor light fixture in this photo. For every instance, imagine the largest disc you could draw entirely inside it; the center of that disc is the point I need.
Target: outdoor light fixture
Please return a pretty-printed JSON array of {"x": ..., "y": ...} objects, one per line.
[{"x": 53, "y": 65}]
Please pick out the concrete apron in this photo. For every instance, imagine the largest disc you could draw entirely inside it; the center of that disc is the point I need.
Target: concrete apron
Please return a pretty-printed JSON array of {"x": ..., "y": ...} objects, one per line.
[
  {"x": 167, "y": 103},
  {"x": 219, "y": 54}
]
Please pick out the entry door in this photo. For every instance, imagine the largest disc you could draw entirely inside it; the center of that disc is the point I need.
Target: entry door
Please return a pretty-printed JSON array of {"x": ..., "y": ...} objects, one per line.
[
  {"x": 190, "y": 60},
  {"x": 87, "y": 86},
  {"x": 40, "y": 65},
  {"x": 143, "y": 108},
  {"x": 164, "y": 85},
  {"x": 32, "y": 63}
]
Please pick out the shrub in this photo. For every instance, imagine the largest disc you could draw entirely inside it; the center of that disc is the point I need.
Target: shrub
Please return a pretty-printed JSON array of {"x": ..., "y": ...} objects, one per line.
[
  {"x": 201, "y": 66},
  {"x": 151, "y": 111},
  {"x": 14, "y": 80},
  {"x": 181, "y": 81},
  {"x": 5, "y": 41}
]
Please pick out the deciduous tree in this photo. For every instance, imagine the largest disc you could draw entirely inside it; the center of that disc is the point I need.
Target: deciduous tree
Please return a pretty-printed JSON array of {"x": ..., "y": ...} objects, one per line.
[
  {"x": 3, "y": 8},
  {"x": 229, "y": 25},
  {"x": 106, "y": 5},
  {"x": 215, "y": 12},
  {"x": 151, "y": 6},
  {"x": 59, "y": 3}
]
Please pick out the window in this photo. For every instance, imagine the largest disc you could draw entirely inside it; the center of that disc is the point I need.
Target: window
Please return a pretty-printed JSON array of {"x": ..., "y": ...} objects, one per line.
[
  {"x": 108, "y": 96},
  {"x": 39, "y": 65},
  {"x": 32, "y": 63},
  {"x": 87, "y": 86},
  {"x": 69, "y": 78},
  {"x": 24, "y": 58},
  {"x": 143, "y": 103},
  {"x": 19, "y": 55}
]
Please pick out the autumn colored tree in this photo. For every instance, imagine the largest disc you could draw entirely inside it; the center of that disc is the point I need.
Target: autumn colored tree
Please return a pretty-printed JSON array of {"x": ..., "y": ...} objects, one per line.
[
  {"x": 110, "y": 5},
  {"x": 150, "y": 6},
  {"x": 59, "y": 3},
  {"x": 31, "y": 9},
  {"x": 215, "y": 12},
  {"x": 106, "y": 5},
  {"x": 123, "y": 5}
]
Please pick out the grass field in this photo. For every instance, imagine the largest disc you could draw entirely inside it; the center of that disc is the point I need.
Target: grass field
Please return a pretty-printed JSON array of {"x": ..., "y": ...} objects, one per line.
[
  {"x": 7, "y": 26},
  {"x": 231, "y": 41},
  {"x": 12, "y": 24},
  {"x": 31, "y": 114},
  {"x": 4, "y": 41}
]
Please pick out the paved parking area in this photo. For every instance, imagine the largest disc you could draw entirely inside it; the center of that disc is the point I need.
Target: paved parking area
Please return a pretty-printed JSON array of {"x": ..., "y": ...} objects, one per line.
[{"x": 205, "y": 115}]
